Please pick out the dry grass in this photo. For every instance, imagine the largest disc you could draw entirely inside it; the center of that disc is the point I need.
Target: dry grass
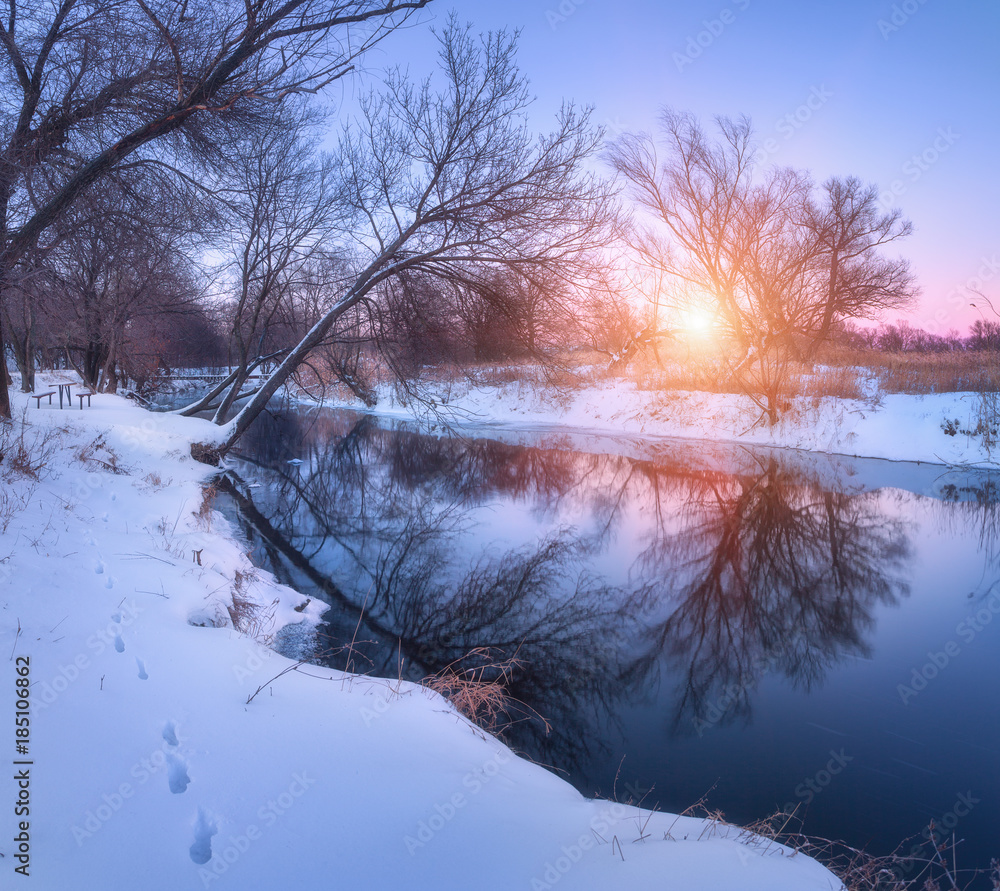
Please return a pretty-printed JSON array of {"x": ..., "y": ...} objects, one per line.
[
  {"x": 24, "y": 450},
  {"x": 249, "y": 617},
  {"x": 838, "y": 372},
  {"x": 925, "y": 868},
  {"x": 921, "y": 373},
  {"x": 203, "y": 515},
  {"x": 476, "y": 684},
  {"x": 478, "y": 691},
  {"x": 25, "y": 453},
  {"x": 98, "y": 454}
]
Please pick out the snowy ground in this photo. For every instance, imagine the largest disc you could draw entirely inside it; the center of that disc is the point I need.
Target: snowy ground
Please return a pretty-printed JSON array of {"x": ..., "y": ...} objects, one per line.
[
  {"x": 897, "y": 427},
  {"x": 147, "y": 763}
]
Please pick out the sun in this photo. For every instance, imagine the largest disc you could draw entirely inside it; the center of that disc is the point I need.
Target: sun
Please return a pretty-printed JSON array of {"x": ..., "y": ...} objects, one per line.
[{"x": 697, "y": 321}]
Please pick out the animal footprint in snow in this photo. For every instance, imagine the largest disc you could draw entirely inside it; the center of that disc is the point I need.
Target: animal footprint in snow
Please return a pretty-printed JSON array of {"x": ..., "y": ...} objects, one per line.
[
  {"x": 99, "y": 569},
  {"x": 119, "y": 644},
  {"x": 116, "y": 617},
  {"x": 109, "y": 582},
  {"x": 177, "y": 775},
  {"x": 142, "y": 669},
  {"x": 204, "y": 829},
  {"x": 170, "y": 733}
]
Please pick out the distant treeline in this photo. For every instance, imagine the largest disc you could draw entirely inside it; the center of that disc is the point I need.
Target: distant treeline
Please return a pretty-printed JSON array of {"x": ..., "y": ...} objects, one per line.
[{"x": 902, "y": 337}]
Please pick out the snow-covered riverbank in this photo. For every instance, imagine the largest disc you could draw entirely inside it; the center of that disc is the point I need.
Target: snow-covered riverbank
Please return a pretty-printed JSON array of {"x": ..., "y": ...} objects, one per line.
[
  {"x": 892, "y": 426},
  {"x": 149, "y": 764}
]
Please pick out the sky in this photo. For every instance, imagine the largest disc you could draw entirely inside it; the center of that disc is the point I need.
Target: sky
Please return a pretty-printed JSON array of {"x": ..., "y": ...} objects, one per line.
[{"x": 905, "y": 95}]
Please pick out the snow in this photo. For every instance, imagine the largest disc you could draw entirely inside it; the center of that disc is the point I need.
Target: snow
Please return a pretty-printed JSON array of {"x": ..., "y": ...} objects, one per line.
[
  {"x": 890, "y": 426},
  {"x": 153, "y": 766}
]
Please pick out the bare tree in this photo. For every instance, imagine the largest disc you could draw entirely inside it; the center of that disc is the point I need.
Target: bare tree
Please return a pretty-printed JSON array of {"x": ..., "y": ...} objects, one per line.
[
  {"x": 522, "y": 313},
  {"x": 29, "y": 281},
  {"x": 730, "y": 242},
  {"x": 434, "y": 180},
  {"x": 777, "y": 267},
  {"x": 117, "y": 257},
  {"x": 282, "y": 205},
  {"x": 850, "y": 228},
  {"x": 86, "y": 86}
]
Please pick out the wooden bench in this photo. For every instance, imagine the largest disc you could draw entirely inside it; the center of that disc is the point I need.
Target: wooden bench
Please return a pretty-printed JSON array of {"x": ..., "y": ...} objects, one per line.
[
  {"x": 38, "y": 397},
  {"x": 82, "y": 396}
]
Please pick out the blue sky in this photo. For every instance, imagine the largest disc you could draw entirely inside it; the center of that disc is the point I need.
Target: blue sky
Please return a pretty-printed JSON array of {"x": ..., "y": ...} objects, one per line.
[{"x": 904, "y": 94}]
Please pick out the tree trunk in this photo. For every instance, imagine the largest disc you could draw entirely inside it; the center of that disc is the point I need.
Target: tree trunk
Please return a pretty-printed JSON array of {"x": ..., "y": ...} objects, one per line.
[
  {"x": 828, "y": 310},
  {"x": 4, "y": 376},
  {"x": 28, "y": 372},
  {"x": 109, "y": 376},
  {"x": 23, "y": 355},
  {"x": 93, "y": 361},
  {"x": 24, "y": 361},
  {"x": 234, "y": 390}
]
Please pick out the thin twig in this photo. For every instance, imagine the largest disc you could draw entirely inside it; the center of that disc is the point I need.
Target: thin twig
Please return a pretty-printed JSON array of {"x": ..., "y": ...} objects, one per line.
[
  {"x": 294, "y": 667},
  {"x": 16, "y": 636}
]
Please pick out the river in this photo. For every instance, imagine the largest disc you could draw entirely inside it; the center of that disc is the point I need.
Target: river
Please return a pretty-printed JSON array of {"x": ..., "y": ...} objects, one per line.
[{"x": 762, "y": 631}]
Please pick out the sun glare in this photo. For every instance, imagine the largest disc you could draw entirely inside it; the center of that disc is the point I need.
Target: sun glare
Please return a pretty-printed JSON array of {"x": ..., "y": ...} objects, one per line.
[{"x": 697, "y": 322}]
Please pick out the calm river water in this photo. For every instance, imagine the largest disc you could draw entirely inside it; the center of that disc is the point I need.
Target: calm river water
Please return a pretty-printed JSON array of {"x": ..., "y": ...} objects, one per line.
[{"x": 758, "y": 630}]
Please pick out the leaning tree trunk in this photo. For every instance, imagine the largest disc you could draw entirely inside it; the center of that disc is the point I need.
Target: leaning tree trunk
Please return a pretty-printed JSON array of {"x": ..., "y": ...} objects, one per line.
[
  {"x": 381, "y": 268},
  {"x": 222, "y": 412}
]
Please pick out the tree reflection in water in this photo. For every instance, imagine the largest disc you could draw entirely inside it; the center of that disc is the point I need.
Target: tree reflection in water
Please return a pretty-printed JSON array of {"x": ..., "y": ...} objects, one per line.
[
  {"x": 769, "y": 573},
  {"x": 734, "y": 574},
  {"x": 976, "y": 506},
  {"x": 373, "y": 519}
]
